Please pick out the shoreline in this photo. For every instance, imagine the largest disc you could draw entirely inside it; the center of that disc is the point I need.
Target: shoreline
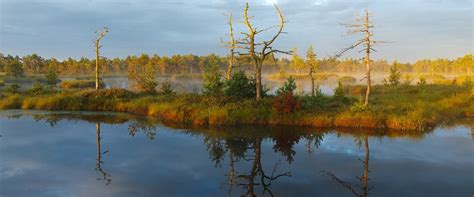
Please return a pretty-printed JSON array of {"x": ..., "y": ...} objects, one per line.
[{"x": 415, "y": 113}]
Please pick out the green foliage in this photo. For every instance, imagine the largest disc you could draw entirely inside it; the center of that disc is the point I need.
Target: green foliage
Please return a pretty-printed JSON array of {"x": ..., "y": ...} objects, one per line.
[
  {"x": 297, "y": 63},
  {"x": 213, "y": 83},
  {"x": 51, "y": 79},
  {"x": 2, "y": 83},
  {"x": 14, "y": 68},
  {"x": 311, "y": 60},
  {"x": 359, "y": 106},
  {"x": 37, "y": 88},
  {"x": 288, "y": 87},
  {"x": 143, "y": 71},
  {"x": 240, "y": 86},
  {"x": 395, "y": 75},
  {"x": 339, "y": 91},
  {"x": 192, "y": 64},
  {"x": 467, "y": 81},
  {"x": 13, "y": 89},
  {"x": 407, "y": 81},
  {"x": 166, "y": 89},
  {"x": 396, "y": 107},
  {"x": 318, "y": 92},
  {"x": 107, "y": 94}
]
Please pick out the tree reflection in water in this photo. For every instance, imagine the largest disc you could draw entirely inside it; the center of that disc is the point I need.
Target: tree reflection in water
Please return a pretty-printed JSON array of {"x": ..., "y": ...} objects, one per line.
[
  {"x": 136, "y": 125},
  {"x": 246, "y": 146},
  {"x": 105, "y": 176},
  {"x": 362, "y": 188}
]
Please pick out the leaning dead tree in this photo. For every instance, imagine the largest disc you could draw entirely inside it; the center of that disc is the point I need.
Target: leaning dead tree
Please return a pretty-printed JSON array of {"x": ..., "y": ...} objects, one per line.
[
  {"x": 259, "y": 51},
  {"x": 97, "y": 47},
  {"x": 231, "y": 46},
  {"x": 363, "y": 26}
]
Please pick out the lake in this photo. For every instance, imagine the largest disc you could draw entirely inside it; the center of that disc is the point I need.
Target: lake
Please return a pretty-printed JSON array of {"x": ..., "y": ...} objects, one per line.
[{"x": 109, "y": 154}]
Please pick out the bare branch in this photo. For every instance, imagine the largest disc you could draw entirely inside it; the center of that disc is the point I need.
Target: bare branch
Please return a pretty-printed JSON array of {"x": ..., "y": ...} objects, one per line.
[{"x": 348, "y": 48}]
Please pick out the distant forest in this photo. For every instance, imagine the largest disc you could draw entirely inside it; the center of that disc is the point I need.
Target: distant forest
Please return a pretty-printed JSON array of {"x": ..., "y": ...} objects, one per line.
[{"x": 192, "y": 64}]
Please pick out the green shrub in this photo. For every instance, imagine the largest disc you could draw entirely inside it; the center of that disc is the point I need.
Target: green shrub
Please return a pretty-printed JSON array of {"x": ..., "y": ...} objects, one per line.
[
  {"x": 13, "y": 89},
  {"x": 165, "y": 88},
  {"x": 288, "y": 87},
  {"x": 395, "y": 75},
  {"x": 318, "y": 92},
  {"x": 51, "y": 79},
  {"x": 37, "y": 89},
  {"x": 359, "y": 106},
  {"x": 407, "y": 81},
  {"x": 240, "y": 86},
  {"x": 213, "y": 84},
  {"x": 339, "y": 91},
  {"x": 107, "y": 94}
]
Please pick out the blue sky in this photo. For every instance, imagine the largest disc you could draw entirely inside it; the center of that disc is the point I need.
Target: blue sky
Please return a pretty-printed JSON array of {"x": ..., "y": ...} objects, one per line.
[{"x": 417, "y": 29}]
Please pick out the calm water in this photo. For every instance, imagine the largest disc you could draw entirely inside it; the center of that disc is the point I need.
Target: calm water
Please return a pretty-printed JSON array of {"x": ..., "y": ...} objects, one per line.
[{"x": 94, "y": 154}]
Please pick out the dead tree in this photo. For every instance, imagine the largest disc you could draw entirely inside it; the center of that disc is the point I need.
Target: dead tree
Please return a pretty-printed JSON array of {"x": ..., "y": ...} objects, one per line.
[
  {"x": 364, "y": 189},
  {"x": 260, "y": 51},
  {"x": 364, "y": 26},
  {"x": 105, "y": 176},
  {"x": 257, "y": 175},
  {"x": 97, "y": 47},
  {"x": 231, "y": 46}
]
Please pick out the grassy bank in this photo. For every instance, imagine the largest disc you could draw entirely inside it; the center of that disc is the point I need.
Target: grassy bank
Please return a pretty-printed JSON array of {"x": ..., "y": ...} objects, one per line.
[{"x": 414, "y": 108}]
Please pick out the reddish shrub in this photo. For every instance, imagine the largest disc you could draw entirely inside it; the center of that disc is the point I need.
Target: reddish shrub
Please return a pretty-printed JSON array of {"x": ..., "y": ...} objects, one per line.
[{"x": 285, "y": 103}]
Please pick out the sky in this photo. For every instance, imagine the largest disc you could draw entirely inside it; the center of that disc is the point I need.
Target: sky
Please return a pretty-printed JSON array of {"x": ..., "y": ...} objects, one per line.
[{"x": 415, "y": 29}]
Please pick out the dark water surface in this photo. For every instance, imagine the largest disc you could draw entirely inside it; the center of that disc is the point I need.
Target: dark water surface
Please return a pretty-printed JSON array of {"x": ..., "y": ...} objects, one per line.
[{"x": 97, "y": 154}]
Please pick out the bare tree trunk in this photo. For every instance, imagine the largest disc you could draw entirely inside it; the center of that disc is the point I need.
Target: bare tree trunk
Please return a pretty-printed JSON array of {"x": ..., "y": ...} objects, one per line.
[
  {"x": 365, "y": 178},
  {"x": 97, "y": 47},
  {"x": 258, "y": 80},
  {"x": 230, "y": 180},
  {"x": 369, "y": 82},
  {"x": 367, "y": 56},
  {"x": 312, "y": 81},
  {"x": 97, "y": 128},
  {"x": 230, "y": 67},
  {"x": 231, "y": 45},
  {"x": 97, "y": 66}
]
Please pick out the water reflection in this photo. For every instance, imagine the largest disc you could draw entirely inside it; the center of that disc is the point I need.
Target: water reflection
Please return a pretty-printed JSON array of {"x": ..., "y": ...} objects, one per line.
[
  {"x": 105, "y": 176},
  {"x": 360, "y": 188},
  {"x": 244, "y": 150},
  {"x": 280, "y": 161}
]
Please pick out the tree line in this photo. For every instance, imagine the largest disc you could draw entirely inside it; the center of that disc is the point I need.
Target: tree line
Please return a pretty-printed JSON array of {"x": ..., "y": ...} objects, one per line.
[{"x": 193, "y": 64}]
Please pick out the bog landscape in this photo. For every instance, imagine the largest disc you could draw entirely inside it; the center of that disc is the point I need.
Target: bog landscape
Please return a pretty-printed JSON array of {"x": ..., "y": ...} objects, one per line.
[{"x": 349, "y": 104}]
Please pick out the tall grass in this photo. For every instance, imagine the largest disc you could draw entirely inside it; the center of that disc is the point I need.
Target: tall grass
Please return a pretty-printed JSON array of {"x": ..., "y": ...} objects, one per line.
[{"x": 396, "y": 107}]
